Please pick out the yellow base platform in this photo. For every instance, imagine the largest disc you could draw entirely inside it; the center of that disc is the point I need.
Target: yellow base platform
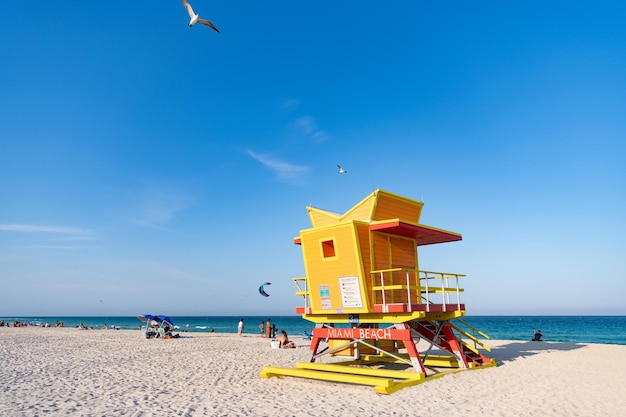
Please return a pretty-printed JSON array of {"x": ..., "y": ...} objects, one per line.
[{"x": 384, "y": 381}]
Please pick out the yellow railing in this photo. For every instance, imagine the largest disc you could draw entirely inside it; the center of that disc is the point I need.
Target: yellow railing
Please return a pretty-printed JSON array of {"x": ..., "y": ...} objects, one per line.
[
  {"x": 410, "y": 286},
  {"x": 399, "y": 282},
  {"x": 404, "y": 286},
  {"x": 304, "y": 292}
]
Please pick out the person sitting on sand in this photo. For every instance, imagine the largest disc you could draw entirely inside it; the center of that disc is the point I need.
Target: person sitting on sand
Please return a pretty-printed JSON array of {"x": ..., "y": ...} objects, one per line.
[
  {"x": 283, "y": 340},
  {"x": 537, "y": 336}
]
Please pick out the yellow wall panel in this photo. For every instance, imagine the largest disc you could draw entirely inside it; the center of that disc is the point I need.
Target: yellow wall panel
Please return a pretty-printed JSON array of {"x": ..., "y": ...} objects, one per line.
[
  {"x": 381, "y": 251},
  {"x": 392, "y": 252},
  {"x": 322, "y": 218},
  {"x": 325, "y": 273},
  {"x": 362, "y": 211},
  {"x": 403, "y": 252},
  {"x": 364, "y": 244},
  {"x": 391, "y": 207}
]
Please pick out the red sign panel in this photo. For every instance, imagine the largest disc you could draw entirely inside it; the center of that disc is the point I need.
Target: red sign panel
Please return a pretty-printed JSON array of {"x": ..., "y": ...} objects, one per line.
[{"x": 362, "y": 333}]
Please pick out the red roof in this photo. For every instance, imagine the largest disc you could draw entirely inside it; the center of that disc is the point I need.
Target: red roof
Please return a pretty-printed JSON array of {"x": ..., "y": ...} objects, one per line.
[{"x": 424, "y": 235}]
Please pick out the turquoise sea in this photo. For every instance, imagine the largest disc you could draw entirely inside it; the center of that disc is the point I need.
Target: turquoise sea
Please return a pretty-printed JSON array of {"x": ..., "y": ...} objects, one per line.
[{"x": 584, "y": 329}]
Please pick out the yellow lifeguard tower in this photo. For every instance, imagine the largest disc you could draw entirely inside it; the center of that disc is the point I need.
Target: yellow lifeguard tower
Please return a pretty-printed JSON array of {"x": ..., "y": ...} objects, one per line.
[{"x": 370, "y": 301}]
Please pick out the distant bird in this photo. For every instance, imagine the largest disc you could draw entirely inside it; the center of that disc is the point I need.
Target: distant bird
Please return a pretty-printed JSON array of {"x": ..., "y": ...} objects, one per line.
[
  {"x": 196, "y": 18},
  {"x": 341, "y": 170}
]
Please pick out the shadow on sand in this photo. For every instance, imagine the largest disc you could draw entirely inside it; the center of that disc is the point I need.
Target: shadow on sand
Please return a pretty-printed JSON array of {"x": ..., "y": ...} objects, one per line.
[{"x": 516, "y": 350}]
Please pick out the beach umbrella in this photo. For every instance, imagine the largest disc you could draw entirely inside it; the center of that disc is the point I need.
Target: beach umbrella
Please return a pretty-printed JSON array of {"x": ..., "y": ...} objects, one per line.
[
  {"x": 147, "y": 318},
  {"x": 164, "y": 319}
]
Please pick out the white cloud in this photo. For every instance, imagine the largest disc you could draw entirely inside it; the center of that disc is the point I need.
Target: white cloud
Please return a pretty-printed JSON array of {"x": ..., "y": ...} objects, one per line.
[
  {"x": 53, "y": 247},
  {"x": 291, "y": 103},
  {"x": 156, "y": 207},
  {"x": 284, "y": 170},
  {"x": 307, "y": 126},
  {"x": 35, "y": 228}
]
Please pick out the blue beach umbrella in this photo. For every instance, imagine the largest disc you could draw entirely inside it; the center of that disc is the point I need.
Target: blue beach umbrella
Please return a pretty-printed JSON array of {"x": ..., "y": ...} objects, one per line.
[
  {"x": 147, "y": 318},
  {"x": 164, "y": 319}
]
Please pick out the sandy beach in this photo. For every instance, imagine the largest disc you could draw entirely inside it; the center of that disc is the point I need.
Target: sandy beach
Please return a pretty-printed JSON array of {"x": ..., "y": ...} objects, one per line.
[{"x": 66, "y": 371}]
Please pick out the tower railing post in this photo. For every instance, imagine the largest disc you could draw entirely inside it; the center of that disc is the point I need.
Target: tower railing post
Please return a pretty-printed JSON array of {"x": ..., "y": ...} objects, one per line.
[
  {"x": 443, "y": 292},
  {"x": 427, "y": 293},
  {"x": 382, "y": 286},
  {"x": 458, "y": 292},
  {"x": 306, "y": 297},
  {"x": 408, "y": 290}
]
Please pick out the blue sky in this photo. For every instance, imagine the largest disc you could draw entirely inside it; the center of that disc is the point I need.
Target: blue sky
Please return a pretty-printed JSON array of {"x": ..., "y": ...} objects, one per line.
[{"x": 146, "y": 166}]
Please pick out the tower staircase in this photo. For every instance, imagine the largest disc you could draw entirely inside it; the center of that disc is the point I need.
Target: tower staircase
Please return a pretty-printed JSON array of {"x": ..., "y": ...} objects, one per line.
[{"x": 440, "y": 334}]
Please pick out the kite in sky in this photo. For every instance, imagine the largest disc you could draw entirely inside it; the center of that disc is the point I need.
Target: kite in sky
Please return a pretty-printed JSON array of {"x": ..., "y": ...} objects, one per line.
[{"x": 262, "y": 289}]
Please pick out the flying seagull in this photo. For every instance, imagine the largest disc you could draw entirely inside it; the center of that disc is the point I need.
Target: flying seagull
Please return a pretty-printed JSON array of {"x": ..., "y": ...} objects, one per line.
[
  {"x": 341, "y": 170},
  {"x": 196, "y": 18}
]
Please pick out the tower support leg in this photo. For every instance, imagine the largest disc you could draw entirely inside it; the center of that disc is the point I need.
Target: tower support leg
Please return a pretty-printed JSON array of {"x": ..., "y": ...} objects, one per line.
[
  {"x": 411, "y": 348},
  {"x": 455, "y": 346}
]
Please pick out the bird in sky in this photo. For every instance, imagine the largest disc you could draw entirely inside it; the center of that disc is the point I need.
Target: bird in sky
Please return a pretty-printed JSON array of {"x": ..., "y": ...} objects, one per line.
[
  {"x": 195, "y": 18},
  {"x": 341, "y": 170}
]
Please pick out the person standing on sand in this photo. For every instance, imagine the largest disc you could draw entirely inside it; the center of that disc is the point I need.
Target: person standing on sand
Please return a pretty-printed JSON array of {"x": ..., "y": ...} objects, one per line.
[
  {"x": 268, "y": 329},
  {"x": 262, "y": 329},
  {"x": 240, "y": 327}
]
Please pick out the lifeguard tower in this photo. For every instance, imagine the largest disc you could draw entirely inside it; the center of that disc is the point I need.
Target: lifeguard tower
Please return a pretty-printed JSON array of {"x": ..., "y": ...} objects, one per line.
[{"x": 372, "y": 305}]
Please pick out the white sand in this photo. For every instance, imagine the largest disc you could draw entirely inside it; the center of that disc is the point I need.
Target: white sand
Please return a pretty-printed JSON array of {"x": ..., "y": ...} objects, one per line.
[{"x": 52, "y": 372}]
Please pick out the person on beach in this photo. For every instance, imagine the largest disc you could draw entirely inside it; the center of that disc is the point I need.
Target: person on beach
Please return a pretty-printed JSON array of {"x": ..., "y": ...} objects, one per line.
[
  {"x": 262, "y": 329},
  {"x": 537, "y": 336},
  {"x": 284, "y": 340},
  {"x": 240, "y": 327},
  {"x": 268, "y": 329},
  {"x": 274, "y": 330}
]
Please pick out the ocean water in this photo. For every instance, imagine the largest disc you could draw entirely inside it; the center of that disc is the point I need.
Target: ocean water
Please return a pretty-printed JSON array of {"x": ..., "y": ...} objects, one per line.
[
  {"x": 583, "y": 329},
  {"x": 293, "y": 325}
]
